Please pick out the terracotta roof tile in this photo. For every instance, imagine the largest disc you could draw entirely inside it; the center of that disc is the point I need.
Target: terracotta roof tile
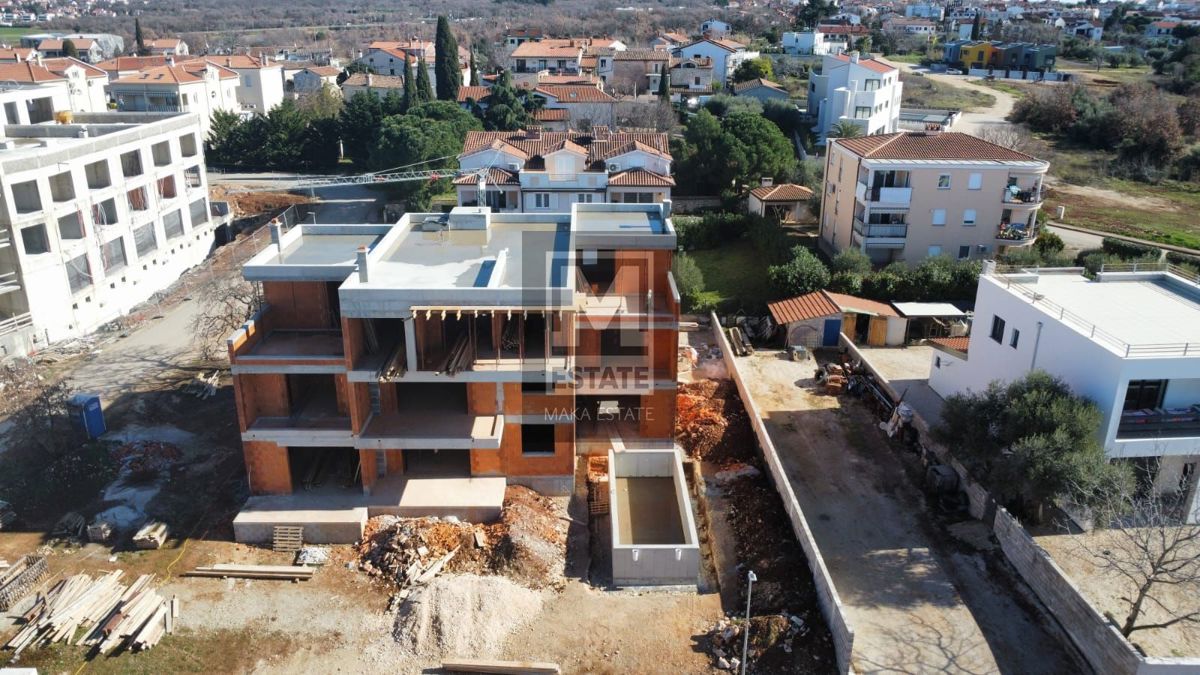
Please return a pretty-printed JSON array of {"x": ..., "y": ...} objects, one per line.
[
  {"x": 784, "y": 192},
  {"x": 377, "y": 81},
  {"x": 916, "y": 145},
  {"x": 600, "y": 145},
  {"x": 477, "y": 93},
  {"x": 494, "y": 176},
  {"x": 869, "y": 64},
  {"x": 640, "y": 178},
  {"x": 957, "y": 344},
  {"x": 575, "y": 93},
  {"x": 803, "y": 308},
  {"x": 60, "y": 65},
  {"x": 552, "y": 115},
  {"x": 758, "y": 82},
  {"x": 546, "y": 49},
  {"x": 26, "y": 71},
  {"x": 850, "y": 303}
]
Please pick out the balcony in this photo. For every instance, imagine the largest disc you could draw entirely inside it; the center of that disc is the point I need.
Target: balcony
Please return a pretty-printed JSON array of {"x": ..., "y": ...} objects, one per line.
[
  {"x": 1156, "y": 423},
  {"x": 1015, "y": 235},
  {"x": 443, "y": 430},
  {"x": 890, "y": 196},
  {"x": 1015, "y": 195},
  {"x": 301, "y": 430},
  {"x": 880, "y": 231}
]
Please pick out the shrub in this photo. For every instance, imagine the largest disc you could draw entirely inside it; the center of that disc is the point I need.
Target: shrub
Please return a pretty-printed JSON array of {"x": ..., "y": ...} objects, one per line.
[
  {"x": 709, "y": 230},
  {"x": 1048, "y": 243},
  {"x": 846, "y": 282},
  {"x": 769, "y": 239},
  {"x": 1182, "y": 259},
  {"x": 688, "y": 277},
  {"x": 851, "y": 260},
  {"x": 804, "y": 273},
  {"x": 1126, "y": 250}
]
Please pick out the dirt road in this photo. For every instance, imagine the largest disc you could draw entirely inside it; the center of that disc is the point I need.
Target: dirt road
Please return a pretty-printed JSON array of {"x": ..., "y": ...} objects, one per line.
[
  {"x": 919, "y": 599},
  {"x": 969, "y": 122}
]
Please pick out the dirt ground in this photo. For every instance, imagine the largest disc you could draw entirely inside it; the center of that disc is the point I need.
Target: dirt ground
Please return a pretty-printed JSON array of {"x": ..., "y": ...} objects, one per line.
[
  {"x": 1104, "y": 196},
  {"x": 920, "y": 596},
  {"x": 1105, "y": 591}
]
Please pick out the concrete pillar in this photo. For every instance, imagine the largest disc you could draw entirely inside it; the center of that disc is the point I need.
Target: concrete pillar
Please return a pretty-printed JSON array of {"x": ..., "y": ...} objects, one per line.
[
  {"x": 366, "y": 459},
  {"x": 1193, "y": 497},
  {"x": 410, "y": 342},
  {"x": 361, "y": 259}
]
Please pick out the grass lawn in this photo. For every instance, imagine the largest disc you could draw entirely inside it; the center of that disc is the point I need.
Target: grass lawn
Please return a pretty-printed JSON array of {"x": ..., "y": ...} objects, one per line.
[
  {"x": 1017, "y": 90},
  {"x": 14, "y": 33},
  {"x": 913, "y": 57},
  {"x": 734, "y": 276},
  {"x": 922, "y": 92}
]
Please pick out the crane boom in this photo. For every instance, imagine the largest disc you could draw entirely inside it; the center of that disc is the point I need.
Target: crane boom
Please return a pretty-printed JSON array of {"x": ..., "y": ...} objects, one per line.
[{"x": 311, "y": 182}]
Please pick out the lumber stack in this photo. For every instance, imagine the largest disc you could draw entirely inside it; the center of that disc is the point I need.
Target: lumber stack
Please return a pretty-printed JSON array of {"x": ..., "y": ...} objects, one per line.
[
  {"x": 500, "y": 667},
  {"x": 19, "y": 579},
  {"x": 284, "y": 572},
  {"x": 101, "y": 613},
  {"x": 151, "y": 536},
  {"x": 737, "y": 340}
]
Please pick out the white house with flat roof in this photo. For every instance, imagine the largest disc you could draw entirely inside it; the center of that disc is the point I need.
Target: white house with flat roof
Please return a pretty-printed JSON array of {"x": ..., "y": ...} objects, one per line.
[{"x": 1129, "y": 340}]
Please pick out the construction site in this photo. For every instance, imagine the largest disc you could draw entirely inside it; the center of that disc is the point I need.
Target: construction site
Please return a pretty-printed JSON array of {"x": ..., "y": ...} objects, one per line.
[{"x": 459, "y": 444}]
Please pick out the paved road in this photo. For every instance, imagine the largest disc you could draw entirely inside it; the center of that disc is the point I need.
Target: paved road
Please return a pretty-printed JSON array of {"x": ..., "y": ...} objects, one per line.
[
  {"x": 1076, "y": 240},
  {"x": 919, "y": 598}
]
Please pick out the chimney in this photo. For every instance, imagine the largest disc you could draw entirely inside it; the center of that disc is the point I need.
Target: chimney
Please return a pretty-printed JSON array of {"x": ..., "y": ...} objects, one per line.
[
  {"x": 276, "y": 237},
  {"x": 171, "y": 61},
  {"x": 361, "y": 259},
  {"x": 533, "y": 132},
  {"x": 853, "y": 57},
  {"x": 766, "y": 181}
]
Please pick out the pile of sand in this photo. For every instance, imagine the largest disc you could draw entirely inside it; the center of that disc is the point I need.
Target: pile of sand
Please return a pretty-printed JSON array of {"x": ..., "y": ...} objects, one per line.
[{"x": 463, "y": 615}]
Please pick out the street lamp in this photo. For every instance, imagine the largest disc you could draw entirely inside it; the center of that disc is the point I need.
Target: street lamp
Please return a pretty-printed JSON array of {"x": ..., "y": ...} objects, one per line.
[{"x": 750, "y": 579}]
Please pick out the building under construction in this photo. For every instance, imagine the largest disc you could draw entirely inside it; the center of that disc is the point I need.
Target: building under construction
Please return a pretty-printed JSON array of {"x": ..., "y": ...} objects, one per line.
[{"x": 418, "y": 368}]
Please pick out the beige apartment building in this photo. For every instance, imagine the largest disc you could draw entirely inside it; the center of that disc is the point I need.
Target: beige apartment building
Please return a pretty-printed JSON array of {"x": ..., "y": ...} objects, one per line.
[{"x": 910, "y": 195}]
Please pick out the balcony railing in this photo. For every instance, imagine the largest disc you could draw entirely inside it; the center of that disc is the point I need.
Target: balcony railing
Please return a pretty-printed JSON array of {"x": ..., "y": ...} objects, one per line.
[
  {"x": 1160, "y": 423},
  {"x": 1033, "y": 196},
  {"x": 871, "y": 231},
  {"x": 1014, "y": 233},
  {"x": 891, "y": 195}
]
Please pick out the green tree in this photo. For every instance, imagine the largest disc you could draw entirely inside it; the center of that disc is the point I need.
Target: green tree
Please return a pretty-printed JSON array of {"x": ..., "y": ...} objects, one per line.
[
  {"x": 424, "y": 92},
  {"x": 845, "y": 129},
  {"x": 218, "y": 147},
  {"x": 474, "y": 71},
  {"x": 410, "y": 85},
  {"x": 69, "y": 49},
  {"x": 282, "y": 145},
  {"x": 976, "y": 26},
  {"x": 324, "y": 103},
  {"x": 664, "y": 86},
  {"x": 411, "y": 139},
  {"x": 809, "y": 14},
  {"x": 319, "y": 147},
  {"x": 1048, "y": 244},
  {"x": 804, "y": 273},
  {"x": 688, "y": 277},
  {"x": 139, "y": 39},
  {"x": 852, "y": 261},
  {"x": 445, "y": 64},
  {"x": 1031, "y": 442},
  {"x": 505, "y": 111},
  {"x": 755, "y": 148},
  {"x": 752, "y": 69},
  {"x": 698, "y": 162},
  {"x": 359, "y": 122},
  {"x": 392, "y": 104},
  {"x": 449, "y": 112}
]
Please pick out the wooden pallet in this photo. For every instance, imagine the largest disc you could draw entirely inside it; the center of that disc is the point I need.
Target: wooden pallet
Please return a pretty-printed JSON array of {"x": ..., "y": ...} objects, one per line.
[{"x": 288, "y": 538}]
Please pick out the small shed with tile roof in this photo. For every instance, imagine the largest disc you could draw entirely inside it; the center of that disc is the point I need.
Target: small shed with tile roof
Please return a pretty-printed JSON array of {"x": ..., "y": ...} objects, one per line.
[
  {"x": 812, "y": 320},
  {"x": 786, "y": 202}
]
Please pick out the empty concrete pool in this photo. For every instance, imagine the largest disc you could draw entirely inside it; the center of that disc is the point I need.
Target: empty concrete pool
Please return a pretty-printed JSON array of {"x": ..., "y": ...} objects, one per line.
[{"x": 653, "y": 530}]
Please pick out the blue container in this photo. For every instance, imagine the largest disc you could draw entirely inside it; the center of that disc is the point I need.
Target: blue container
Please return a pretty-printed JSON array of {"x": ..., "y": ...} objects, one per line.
[{"x": 88, "y": 414}]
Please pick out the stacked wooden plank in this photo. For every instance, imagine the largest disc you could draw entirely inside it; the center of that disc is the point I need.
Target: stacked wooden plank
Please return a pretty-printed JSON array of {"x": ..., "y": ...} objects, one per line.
[
  {"x": 151, "y": 536},
  {"x": 737, "y": 340},
  {"x": 20, "y": 578},
  {"x": 283, "y": 572},
  {"x": 458, "y": 358},
  {"x": 101, "y": 613},
  {"x": 288, "y": 538}
]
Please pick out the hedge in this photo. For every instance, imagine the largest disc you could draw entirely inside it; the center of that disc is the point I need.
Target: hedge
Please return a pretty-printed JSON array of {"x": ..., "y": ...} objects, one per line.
[{"x": 1128, "y": 249}]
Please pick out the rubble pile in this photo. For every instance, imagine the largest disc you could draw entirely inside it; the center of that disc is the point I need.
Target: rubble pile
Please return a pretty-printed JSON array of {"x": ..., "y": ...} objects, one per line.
[
  {"x": 711, "y": 422},
  {"x": 533, "y": 551},
  {"x": 773, "y": 639},
  {"x": 137, "y": 456}
]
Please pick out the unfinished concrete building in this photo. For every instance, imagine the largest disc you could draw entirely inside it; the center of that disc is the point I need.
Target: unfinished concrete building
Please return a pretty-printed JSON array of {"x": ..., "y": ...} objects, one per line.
[{"x": 418, "y": 368}]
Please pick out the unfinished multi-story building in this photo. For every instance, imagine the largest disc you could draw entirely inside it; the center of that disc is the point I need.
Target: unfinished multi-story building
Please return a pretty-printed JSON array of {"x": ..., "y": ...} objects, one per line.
[
  {"x": 96, "y": 216},
  {"x": 418, "y": 368}
]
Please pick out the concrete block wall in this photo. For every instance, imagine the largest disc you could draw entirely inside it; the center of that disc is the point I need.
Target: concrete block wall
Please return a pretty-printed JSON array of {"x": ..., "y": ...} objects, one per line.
[{"x": 827, "y": 595}]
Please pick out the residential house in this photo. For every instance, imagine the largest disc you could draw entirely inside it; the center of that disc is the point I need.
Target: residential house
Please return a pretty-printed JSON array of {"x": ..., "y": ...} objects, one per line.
[
  {"x": 124, "y": 66},
  {"x": 18, "y": 54},
  {"x": 516, "y": 38},
  {"x": 260, "y": 81},
  {"x": 812, "y": 42},
  {"x": 980, "y": 55},
  {"x": 167, "y": 47},
  {"x": 786, "y": 202},
  {"x": 380, "y": 85},
  {"x": 929, "y": 11},
  {"x": 1089, "y": 29},
  {"x": 98, "y": 215},
  {"x": 714, "y": 29},
  {"x": 39, "y": 94},
  {"x": 386, "y": 57},
  {"x": 109, "y": 45},
  {"x": 195, "y": 86},
  {"x": 912, "y": 195},
  {"x": 670, "y": 41},
  {"x": 1160, "y": 29},
  {"x": 85, "y": 83},
  {"x": 864, "y": 92},
  {"x": 563, "y": 107},
  {"x": 553, "y": 55},
  {"x": 89, "y": 50},
  {"x": 842, "y": 37},
  {"x": 439, "y": 359},
  {"x": 311, "y": 79},
  {"x": 538, "y": 171},
  {"x": 1128, "y": 340},
  {"x": 633, "y": 71},
  {"x": 725, "y": 56},
  {"x": 919, "y": 27},
  {"x": 691, "y": 76},
  {"x": 761, "y": 89}
]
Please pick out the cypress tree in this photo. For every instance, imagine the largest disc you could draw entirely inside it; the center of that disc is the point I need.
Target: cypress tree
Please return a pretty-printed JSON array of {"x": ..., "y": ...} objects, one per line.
[
  {"x": 138, "y": 38},
  {"x": 410, "y": 85},
  {"x": 424, "y": 88},
  {"x": 474, "y": 71},
  {"x": 664, "y": 85},
  {"x": 445, "y": 62}
]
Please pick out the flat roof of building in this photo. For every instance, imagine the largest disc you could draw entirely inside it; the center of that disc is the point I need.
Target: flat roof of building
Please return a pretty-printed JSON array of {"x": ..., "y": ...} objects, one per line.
[
  {"x": 316, "y": 248},
  {"x": 51, "y": 143},
  {"x": 1139, "y": 309}
]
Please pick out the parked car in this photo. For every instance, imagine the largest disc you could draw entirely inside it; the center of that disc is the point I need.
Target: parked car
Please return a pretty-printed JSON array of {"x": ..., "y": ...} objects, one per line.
[{"x": 953, "y": 71}]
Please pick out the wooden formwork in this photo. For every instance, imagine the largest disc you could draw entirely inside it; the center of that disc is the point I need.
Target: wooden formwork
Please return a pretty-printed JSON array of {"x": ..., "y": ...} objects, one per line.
[{"x": 20, "y": 579}]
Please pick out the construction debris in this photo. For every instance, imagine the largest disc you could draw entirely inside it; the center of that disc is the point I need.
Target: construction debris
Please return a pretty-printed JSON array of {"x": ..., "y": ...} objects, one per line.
[
  {"x": 739, "y": 342},
  {"x": 70, "y": 526},
  {"x": 772, "y": 639},
  {"x": 152, "y": 535},
  {"x": 312, "y": 555},
  {"x": 203, "y": 386},
  {"x": 500, "y": 667},
  {"x": 231, "y": 570},
  {"x": 20, "y": 578},
  {"x": 109, "y": 614},
  {"x": 139, "y": 456},
  {"x": 711, "y": 423},
  {"x": 99, "y": 531}
]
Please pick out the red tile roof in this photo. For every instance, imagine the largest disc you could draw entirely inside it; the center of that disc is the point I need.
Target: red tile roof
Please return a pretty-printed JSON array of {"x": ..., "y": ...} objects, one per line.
[
  {"x": 600, "y": 143},
  {"x": 850, "y": 303},
  {"x": 476, "y": 92},
  {"x": 377, "y": 81},
  {"x": 758, "y": 82},
  {"x": 60, "y": 65},
  {"x": 546, "y": 49},
  {"x": 869, "y": 64},
  {"x": 26, "y": 71},
  {"x": 16, "y": 54},
  {"x": 803, "y": 308},
  {"x": 552, "y": 115},
  {"x": 843, "y": 29},
  {"x": 133, "y": 63},
  {"x": 784, "y": 192},
  {"x": 918, "y": 145},
  {"x": 493, "y": 176},
  {"x": 640, "y": 178},
  {"x": 56, "y": 45},
  {"x": 957, "y": 344},
  {"x": 575, "y": 93}
]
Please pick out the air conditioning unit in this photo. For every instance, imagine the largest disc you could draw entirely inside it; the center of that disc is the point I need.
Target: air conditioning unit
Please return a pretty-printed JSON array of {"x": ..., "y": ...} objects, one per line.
[
  {"x": 614, "y": 167},
  {"x": 513, "y": 166}
]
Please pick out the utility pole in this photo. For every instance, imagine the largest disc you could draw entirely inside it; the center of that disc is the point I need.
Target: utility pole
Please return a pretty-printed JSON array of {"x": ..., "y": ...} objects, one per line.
[{"x": 750, "y": 579}]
